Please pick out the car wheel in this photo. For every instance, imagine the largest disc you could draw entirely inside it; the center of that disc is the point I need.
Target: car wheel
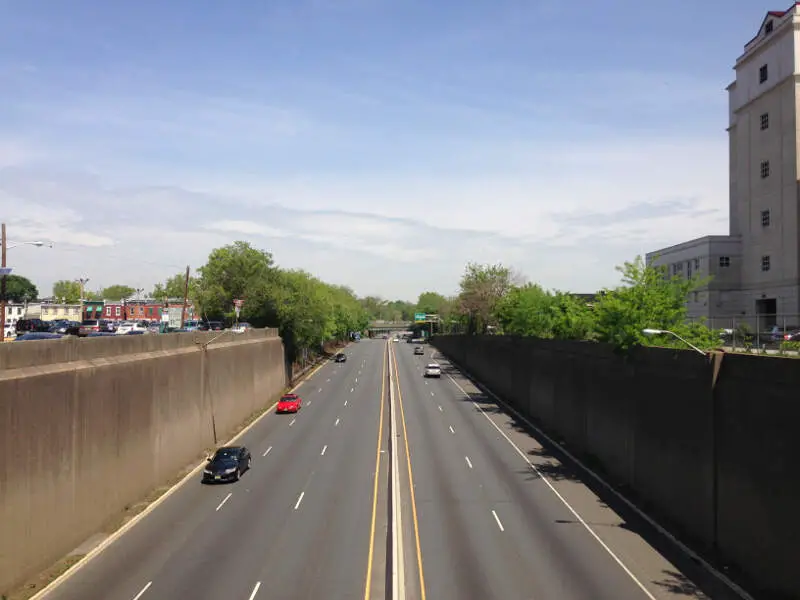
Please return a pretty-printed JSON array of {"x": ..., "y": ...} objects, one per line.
[
  {"x": 237, "y": 475},
  {"x": 249, "y": 462}
]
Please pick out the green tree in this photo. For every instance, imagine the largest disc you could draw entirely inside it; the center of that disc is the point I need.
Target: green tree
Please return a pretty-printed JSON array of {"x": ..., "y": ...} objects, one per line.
[
  {"x": 174, "y": 287},
  {"x": 20, "y": 289},
  {"x": 117, "y": 292},
  {"x": 69, "y": 291},
  {"x": 431, "y": 303},
  {"x": 235, "y": 271},
  {"x": 482, "y": 287},
  {"x": 648, "y": 299},
  {"x": 532, "y": 311}
]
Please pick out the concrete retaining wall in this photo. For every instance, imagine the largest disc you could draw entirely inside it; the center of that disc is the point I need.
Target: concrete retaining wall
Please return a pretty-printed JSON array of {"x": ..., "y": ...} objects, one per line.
[
  {"x": 89, "y": 426},
  {"x": 718, "y": 463}
]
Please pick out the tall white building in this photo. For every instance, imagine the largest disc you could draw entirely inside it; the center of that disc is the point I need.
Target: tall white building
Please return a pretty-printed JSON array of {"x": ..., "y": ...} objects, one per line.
[{"x": 756, "y": 268}]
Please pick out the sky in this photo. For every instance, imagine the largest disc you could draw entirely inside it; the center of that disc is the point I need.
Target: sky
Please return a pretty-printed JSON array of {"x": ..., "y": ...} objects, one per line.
[{"x": 378, "y": 144}]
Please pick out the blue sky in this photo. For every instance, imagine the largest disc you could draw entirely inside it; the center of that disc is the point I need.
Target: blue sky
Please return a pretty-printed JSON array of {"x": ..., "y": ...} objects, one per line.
[{"x": 377, "y": 144}]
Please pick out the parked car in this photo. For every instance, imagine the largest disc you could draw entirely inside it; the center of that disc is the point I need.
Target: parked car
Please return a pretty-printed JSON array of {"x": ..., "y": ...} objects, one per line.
[
  {"x": 37, "y": 335},
  {"x": 241, "y": 328},
  {"x": 227, "y": 464},
  {"x": 28, "y": 325},
  {"x": 93, "y": 326}
]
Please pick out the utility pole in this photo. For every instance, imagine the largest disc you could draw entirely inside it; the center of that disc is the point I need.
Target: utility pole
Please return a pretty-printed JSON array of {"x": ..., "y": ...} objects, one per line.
[
  {"x": 185, "y": 296},
  {"x": 3, "y": 282},
  {"x": 82, "y": 282}
]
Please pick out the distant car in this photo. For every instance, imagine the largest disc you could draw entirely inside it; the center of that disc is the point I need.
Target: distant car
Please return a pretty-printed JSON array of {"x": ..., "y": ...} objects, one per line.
[
  {"x": 227, "y": 464},
  {"x": 126, "y": 328},
  {"x": 289, "y": 403},
  {"x": 433, "y": 370},
  {"x": 340, "y": 357},
  {"x": 241, "y": 328},
  {"x": 419, "y": 350}
]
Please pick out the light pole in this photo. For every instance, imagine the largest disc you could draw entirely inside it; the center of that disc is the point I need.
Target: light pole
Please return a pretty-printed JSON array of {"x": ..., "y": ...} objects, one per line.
[
  {"x": 4, "y": 271},
  {"x": 673, "y": 334}
]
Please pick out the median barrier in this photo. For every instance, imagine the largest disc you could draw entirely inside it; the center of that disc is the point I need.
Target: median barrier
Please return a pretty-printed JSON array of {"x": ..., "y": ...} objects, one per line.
[{"x": 714, "y": 458}]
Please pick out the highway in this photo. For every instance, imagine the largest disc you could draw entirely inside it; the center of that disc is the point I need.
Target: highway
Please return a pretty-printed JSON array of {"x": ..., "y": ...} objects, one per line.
[
  {"x": 297, "y": 525},
  {"x": 474, "y": 518}
]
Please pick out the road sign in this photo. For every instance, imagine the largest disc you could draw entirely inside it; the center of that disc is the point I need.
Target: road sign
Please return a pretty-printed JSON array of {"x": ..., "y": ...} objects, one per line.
[
  {"x": 419, "y": 317},
  {"x": 6, "y": 270}
]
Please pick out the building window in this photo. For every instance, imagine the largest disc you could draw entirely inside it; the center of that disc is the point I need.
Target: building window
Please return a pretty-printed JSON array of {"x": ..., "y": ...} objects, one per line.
[
  {"x": 765, "y": 263},
  {"x": 108, "y": 310},
  {"x": 689, "y": 269},
  {"x": 118, "y": 310},
  {"x": 765, "y": 218},
  {"x": 764, "y": 121},
  {"x": 696, "y": 264},
  {"x": 724, "y": 261},
  {"x": 694, "y": 297},
  {"x": 768, "y": 27},
  {"x": 763, "y": 74},
  {"x": 764, "y": 169}
]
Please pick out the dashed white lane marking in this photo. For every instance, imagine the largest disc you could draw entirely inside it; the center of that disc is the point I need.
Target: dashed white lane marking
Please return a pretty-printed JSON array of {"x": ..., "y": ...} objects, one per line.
[
  {"x": 356, "y": 379},
  {"x": 308, "y": 403},
  {"x": 323, "y": 450},
  {"x": 143, "y": 590},
  {"x": 351, "y": 390},
  {"x": 255, "y": 591},
  {"x": 299, "y": 500},
  {"x": 432, "y": 394},
  {"x": 328, "y": 380},
  {"x": 345, "y": 402},
  {"x": 319, "y": 390},
  {"x": 499, "y": 524},
  {"x": 440, "y": 408},
  {"x": 469, "y": 462},
  {"x": 224, "y": 500},
  {"x": 337, "y": 422},
  {"x": 292, "y": 423},
  {"x": 267, "y": 451},
  {"x": 452, "y": 430}
]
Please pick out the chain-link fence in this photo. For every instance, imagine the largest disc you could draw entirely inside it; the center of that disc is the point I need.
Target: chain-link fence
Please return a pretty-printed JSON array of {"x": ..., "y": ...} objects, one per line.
[{"x": 757, "y": 331}]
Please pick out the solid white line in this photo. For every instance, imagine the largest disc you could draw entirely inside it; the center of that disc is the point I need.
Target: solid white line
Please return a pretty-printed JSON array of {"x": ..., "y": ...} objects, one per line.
[
  {"x": 499, "y": 524},
  {"x": 337, "y": 422},
  {"x": 299, "y": 500},
  {"x": 452, "y": 430},
  {"x": 440, "y": 408},
  {"x": 469, "y": 463},
  {"x": 144, "y": 589},
  {"x": 398, "y": 555},
  {"x": 591, "y": 531},
  {"x": 323, "y": 450},
  {"x": 267, "y": 451},
  {"x": 292, "y": 423},
  {"x": 345, "y": 402},
  {"x": 255, "y": 591},
  {"x": 224, "y": 500}
]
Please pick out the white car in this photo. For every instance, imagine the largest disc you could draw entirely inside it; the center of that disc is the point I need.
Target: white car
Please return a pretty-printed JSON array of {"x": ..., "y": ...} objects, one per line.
[
  {"x": 126, "y": 328},
  {"x": 433, "y": 370}
]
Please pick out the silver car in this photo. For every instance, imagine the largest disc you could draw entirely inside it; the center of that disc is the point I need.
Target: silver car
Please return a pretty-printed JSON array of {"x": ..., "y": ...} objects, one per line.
[{"x": 433, "y": 370}]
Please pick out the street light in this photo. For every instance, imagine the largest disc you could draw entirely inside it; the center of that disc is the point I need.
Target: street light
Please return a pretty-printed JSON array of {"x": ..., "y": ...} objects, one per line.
[
  {"x": 4, "y": 270},
  {"x": 673, "y": 334}
]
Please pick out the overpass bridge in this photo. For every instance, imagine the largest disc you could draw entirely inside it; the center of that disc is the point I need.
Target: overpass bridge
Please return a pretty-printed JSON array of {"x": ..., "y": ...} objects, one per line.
[{"x": 381, "y": 327}]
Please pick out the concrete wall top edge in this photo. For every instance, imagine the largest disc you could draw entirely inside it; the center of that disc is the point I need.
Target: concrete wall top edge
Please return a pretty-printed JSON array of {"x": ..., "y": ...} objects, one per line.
[{"x": 16, "y": 355}]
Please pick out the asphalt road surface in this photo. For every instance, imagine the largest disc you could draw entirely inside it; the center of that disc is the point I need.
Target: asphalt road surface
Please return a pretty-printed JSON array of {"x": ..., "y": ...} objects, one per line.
[
  {"x": 297, "y": 525},
  {"x": 483, "y": 511}
]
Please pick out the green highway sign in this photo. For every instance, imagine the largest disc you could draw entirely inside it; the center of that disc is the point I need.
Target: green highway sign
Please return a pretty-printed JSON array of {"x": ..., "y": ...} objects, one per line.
[{"x": 419, "y": 317}]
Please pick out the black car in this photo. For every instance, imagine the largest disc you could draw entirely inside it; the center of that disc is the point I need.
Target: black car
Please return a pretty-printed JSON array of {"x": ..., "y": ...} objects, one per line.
[
  {"x": 227, "y": 464},
  {"x": 340, "y": 357}
]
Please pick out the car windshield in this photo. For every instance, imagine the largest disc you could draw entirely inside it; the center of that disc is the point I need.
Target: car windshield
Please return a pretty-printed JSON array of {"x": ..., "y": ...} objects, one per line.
[
  {"x": 433, "y": 366},
  {"x": 288, "y": 399},
  {"x": 227, "y": 454}
]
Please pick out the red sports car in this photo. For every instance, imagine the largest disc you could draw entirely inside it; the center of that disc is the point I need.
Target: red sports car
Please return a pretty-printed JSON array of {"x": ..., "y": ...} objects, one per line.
[{"x": 289, "y": 403}]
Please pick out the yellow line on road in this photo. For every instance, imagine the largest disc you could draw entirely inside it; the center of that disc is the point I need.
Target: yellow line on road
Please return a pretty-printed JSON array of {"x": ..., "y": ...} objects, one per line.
[
  {"x": 368, "y": 582},
  {"x": 410, "y": 477}
]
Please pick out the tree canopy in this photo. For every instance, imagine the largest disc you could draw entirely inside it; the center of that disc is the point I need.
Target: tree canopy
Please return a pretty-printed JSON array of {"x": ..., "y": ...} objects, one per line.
[
  {"x": 68, "y": 291},
  {"x": 117, "y": 292},
  {"x": 647, "y": 298},
  {"x": 20, "y": 289}
]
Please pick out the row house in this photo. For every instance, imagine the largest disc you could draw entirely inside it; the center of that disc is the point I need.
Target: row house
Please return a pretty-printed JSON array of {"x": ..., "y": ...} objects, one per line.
[{"x": 140, "y": 310}]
